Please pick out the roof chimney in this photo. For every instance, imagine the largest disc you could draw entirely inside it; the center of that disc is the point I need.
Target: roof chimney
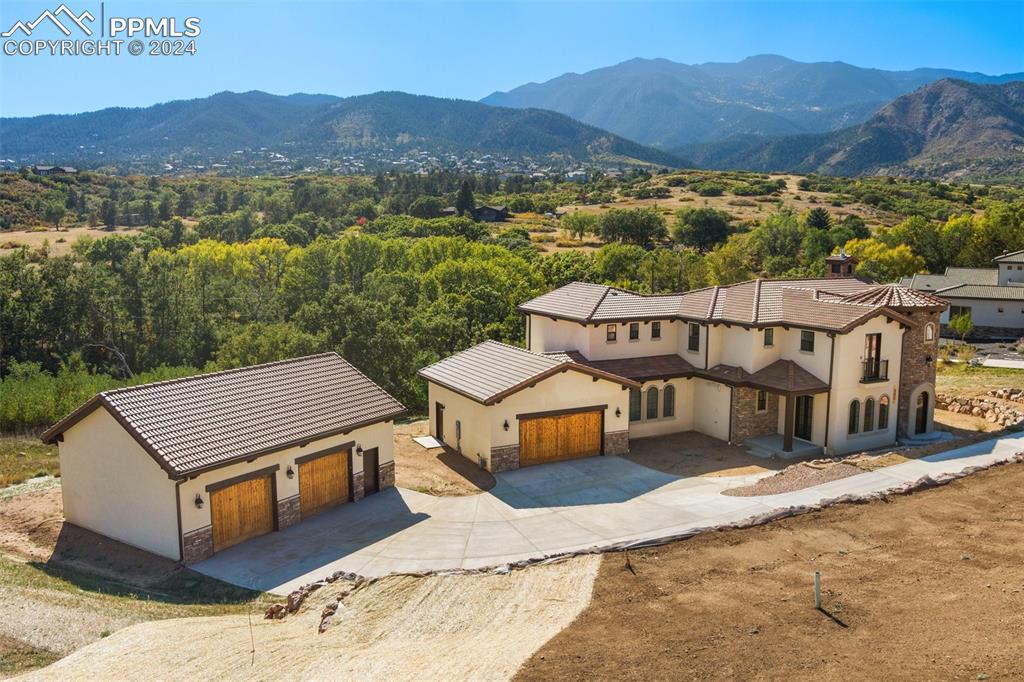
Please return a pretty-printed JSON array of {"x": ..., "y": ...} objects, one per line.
[{"x": 840, "y": 264}]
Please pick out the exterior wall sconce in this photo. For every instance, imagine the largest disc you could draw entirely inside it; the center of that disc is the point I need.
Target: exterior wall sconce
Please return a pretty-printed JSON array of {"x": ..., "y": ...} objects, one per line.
[
  {"x": 359, "y": 450},
  {"x": 289, "y": 472},
  {"x": 505, "y": 425},
  {"x": 199, "y": 501},
  {"x": 618, "y": 412}
]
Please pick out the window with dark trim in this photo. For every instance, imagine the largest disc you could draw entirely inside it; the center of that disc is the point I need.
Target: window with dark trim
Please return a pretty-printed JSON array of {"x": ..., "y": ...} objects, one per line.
[
  {"x": 694, "y": 340},
  {"x": 611, "y": 333},
  {"x": 883, "y": 412},
  {"x": 869, "y": 414},
  {"x": 634, "y": 331},
  {"x": 634, "y": 404},
  {"x": 854, "y": 425},
  {"x": 807, "y": 341},
  {"x": 652, "y": 403},
  {"x": 762, "y": 401},
  {"x": 769, "y": 337},
  {"x": 669, "y": 409},
  {"x": 656, "y": 330}
]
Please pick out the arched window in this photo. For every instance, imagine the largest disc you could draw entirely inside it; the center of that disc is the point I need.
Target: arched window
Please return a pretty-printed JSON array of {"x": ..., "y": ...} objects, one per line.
[
  {"x": 869, "y": 414},
  {"x": 854, "y": 426},
  {"x": 652, "y": 403},
  {"x": 929, "y": 332},
  {"x": 669, "y": 410},
  {"x": 634, "y": 404},
  {"x": 883, "y": 412}
]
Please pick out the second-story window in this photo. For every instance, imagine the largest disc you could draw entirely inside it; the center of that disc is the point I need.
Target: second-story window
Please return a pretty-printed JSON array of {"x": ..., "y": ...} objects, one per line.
[
  {"x": 634, "y": 331},
  {"x": 610, "y": 333},
  {"x": 655, "y": 330},
  {"x": 807, "y": 341},
  {"x": 769, "y": 337},
  {"x": 694, "y": 340}
]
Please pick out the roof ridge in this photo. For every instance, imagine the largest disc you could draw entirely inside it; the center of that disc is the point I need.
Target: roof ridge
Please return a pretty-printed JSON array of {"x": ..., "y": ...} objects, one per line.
[
  {"x": 590, "y": 315},
  {"x": 714, "y": 302},
  {"x": 756, "y": 312},
  {"x": 233, "y": 370}
]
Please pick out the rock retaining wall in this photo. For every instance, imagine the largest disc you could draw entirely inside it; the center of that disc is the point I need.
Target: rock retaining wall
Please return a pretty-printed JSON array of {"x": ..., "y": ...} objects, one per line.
[
  {"x": 992, "y": 411},
  {"x": 1014, "y": 394}
]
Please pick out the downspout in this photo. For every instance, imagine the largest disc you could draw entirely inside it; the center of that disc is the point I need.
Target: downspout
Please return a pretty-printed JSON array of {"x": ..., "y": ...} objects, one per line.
[
  {"x": 528, "y": 332},
  {"x": 707, "y": 342},
  {"x": 732, "y": 397},
  {"x": 828, "y": 403},
  {"x": 177, "y": 506}
]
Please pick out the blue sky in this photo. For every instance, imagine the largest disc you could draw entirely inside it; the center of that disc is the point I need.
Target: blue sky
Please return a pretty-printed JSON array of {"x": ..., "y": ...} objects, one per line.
[{"x": 469, "y": 49}]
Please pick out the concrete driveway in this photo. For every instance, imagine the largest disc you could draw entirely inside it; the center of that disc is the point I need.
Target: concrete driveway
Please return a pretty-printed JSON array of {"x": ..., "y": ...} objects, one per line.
[{"x": 532, "y": 513}]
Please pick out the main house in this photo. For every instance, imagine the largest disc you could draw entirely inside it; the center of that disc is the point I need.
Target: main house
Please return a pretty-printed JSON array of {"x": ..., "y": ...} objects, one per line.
[
  {"x": 188, "y": 467},
  {"x": 838, "y": 364}
]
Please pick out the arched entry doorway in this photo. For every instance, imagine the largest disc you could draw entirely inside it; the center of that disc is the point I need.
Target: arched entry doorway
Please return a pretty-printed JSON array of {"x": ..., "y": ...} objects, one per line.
[{"x": 922, "y": 412}]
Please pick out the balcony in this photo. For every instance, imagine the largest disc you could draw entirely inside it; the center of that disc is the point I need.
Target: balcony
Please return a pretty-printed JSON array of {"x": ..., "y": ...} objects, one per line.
[{"x": 874, "y": 370}]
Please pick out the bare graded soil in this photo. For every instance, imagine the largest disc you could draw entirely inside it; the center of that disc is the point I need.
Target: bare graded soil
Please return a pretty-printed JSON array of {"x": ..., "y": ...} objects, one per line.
[
  {"x": 924, "y": 586},
  {"x": 435, "y": 471}
]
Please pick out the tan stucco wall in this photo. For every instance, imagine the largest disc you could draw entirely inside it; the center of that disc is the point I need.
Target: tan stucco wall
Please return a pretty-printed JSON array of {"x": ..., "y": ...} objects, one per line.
[
  {"x": 696, "y": 358},
  {"x": 683, "y": 419},
  {"x": 547, "y": 335},
  {"x": 711, "y": 402},
  {"x": 846, "y": 386},
  {"x": 645, "y": 346},
  {"x": 483, "y": 425},
  {"x": 380, "y": 435},
  {"x": 819, "y": 417},
  {"x": 112, "y": 486},
  {"x": 474, "y": 417}
]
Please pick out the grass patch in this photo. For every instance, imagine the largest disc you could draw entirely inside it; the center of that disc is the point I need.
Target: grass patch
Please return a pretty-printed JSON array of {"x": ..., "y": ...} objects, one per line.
[
  {"x": 971, "y": 380},
  {"x": 24, "y": 458},
  {"x": 17, "y": 657}
]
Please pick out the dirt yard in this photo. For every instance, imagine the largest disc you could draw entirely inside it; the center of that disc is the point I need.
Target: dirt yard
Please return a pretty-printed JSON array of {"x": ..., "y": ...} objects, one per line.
[
  {"x": 435, "y": 471},
  {"x": 465, "y": 627},
  {"x": 927, "y": 586}
]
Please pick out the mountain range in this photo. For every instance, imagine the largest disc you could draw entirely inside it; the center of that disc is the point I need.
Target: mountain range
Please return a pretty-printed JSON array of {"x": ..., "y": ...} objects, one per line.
[
  {"x": 318, "y": 126},
  {"x": 670, "y": 105},
  {"x": 765, "y": 113}
]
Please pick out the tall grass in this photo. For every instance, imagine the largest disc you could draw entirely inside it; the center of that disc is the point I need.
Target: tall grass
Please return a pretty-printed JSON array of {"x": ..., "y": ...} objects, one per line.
[{"x": 32, "y": 398}]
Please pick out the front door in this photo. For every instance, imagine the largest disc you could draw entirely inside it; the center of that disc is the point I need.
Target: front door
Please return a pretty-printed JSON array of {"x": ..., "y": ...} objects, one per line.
[
  {"x": 802, "y": 424},
  {"x": 439, "y": 421},
  {"x": 371, "y": 471},
  {"x": 922, "y": 412}
]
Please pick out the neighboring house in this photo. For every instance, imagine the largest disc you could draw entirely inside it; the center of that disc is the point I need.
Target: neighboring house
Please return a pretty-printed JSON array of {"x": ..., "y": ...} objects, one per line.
[
  {"x": 491, "y": 214},
  {"x": 53, "y": 170},
  {"x": 188, "y": 467},
  {"x": 839, "y": 363},
  {"x": 993, "y": 297}
]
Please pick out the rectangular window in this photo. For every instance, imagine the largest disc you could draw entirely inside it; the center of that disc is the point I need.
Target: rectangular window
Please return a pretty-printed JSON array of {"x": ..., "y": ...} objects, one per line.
[
  {"x": 610, "y": 333},
  {"x": 634, "y": 331},
  {"x": 769, "y": 337},
  {"x": 807, "y": 341},
  {"x": 762, "y": 401},
  {"x": 957, "y": 310},
  {"x": 655, "y": 330},
  {"x": 694, "y": 340},
  {"x": 634, "y": 404}
]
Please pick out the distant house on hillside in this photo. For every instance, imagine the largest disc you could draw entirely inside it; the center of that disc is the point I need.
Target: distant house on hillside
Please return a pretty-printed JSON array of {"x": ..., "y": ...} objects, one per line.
[
  {"x": 491, "y": 214},
  {"x": 993, "y": 297},
  {"x": 53, "y": 170}
]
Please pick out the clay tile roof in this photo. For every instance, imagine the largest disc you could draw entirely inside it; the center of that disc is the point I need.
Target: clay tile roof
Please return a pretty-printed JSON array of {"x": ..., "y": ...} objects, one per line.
[
  {"x": 619, "y": 304},
  {"x": 575, "y": 301},
  {"x": 896, "y": 296},
  {"x": 995, "y": 293},
  {"x": 782, "y": 376},
  {"x": 491, "y": 370},
  {"x": 208, "y": 420},
  {"x": 640, "y": 369}
]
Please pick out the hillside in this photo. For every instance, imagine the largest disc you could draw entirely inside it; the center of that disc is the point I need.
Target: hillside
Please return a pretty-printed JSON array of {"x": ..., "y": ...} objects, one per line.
[
  {"x": 257, "y": 128},
  {"x": 950, "y": 128},
  {"x": 667, "y": 104}
]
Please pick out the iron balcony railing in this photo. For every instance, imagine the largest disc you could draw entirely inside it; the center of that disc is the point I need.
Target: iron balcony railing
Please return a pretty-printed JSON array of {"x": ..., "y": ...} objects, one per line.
[{"x": 874, "y": 369}]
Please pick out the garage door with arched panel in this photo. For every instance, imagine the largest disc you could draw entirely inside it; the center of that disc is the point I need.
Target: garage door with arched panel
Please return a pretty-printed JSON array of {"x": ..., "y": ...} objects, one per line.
[{"x": 553, "y": 437}]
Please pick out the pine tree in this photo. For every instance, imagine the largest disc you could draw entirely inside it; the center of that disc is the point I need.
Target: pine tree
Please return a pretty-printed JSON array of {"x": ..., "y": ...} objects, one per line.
[{"x": 465, "y": 203}]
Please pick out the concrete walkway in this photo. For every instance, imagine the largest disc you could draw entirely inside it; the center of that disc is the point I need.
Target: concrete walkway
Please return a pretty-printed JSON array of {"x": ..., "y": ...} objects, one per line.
[{"x": 535, "y": 512}]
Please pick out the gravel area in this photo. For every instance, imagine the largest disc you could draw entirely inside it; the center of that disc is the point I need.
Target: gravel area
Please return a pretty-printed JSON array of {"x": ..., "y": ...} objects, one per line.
[{"x": 796, "y": 477}]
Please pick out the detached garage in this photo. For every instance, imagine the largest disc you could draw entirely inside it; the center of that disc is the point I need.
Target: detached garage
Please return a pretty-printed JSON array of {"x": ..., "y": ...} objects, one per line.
[
  {"x": 504, "y": 407},
  {"x": 189, "y": 467}
]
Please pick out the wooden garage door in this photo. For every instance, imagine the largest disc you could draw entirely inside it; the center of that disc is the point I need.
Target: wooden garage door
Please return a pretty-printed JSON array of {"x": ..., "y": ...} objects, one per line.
[
  {"x": 241, "y": 511},
  {"x": 323, "y": 482},
  {"x": 558, "y": 437}
]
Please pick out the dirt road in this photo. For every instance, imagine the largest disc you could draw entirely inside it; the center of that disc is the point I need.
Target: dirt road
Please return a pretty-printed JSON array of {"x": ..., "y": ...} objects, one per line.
[{"x": 927, "y": 586}]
